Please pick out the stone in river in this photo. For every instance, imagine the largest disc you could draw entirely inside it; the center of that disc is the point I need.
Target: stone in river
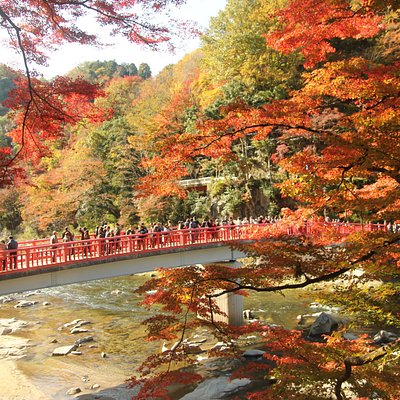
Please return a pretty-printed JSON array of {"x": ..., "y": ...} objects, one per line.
[
  {"x": 64, "y": 350},
  {"x": 325, "y": 324},
  {"x": 81, "y": 323},
  {"x": 78, "y": 330},
  {"x": 95, "y": 386},
  {"x": 5, "y": 330},
  {"x": 385, "y": 337},
  {"x": 190, "y": 348},
  {"x": 84, "y": 340},
  {"x": 25, "y": 303},
  {"x": 253, "y": 353},
  {"x": 217, "y": 388},
  {"x": 73, "y": 391}
]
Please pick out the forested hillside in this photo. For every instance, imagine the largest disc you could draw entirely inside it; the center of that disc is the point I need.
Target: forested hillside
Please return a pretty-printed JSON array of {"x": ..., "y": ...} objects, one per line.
[{"x": 99, "y": 171}]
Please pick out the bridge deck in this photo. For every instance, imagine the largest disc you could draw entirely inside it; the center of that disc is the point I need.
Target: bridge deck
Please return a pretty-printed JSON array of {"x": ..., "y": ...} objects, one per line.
[{"x": 36, "y": 257}]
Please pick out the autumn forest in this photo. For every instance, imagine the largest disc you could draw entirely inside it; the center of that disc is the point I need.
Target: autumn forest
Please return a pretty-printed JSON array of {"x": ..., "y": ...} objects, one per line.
[{"x": 288, "y": 109}]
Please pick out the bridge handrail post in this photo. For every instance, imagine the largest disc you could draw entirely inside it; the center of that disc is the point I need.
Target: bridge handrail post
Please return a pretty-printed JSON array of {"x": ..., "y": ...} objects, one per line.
[
  {"x": 64, "y": 252},
  {"x": 99, "y": 247},
  {"x": 27, "y": 258},
  {"x": 130, "y": 244}
]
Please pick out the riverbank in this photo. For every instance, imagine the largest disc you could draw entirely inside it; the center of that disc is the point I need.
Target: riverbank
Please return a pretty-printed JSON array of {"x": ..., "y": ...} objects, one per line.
[
  {"x": 59, "y": 378},
  {"x": 14, "y": 385}
]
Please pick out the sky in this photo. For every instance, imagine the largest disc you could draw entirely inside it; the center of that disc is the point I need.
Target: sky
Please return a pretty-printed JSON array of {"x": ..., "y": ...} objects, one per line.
[{"x": 69, "y": 56}]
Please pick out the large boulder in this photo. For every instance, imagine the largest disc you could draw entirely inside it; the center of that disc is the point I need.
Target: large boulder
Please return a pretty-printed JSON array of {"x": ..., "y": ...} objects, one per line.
[
  {"x": 325, "y": 324},
  {"x": 216, "y": 388}
]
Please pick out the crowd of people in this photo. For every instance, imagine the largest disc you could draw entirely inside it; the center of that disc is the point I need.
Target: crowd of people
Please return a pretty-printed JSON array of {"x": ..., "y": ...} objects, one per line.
[
  {"x": 9, "y": 260},
  {"x": 11, "y": 245},
  {"x": 157, "y": 234},
  {"x": 105, "y": 230}
]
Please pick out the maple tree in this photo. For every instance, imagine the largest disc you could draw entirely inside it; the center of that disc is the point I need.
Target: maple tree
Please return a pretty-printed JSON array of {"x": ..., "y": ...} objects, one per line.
[{"x": 337, "y": 138}]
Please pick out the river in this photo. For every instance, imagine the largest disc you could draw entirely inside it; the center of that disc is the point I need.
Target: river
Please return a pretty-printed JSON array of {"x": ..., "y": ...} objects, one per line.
[{"x": 115, "y": 315}]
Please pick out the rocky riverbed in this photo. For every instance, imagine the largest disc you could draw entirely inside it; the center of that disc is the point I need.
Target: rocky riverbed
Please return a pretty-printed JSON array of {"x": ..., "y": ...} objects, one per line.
[{"x": 83, "y": 341}]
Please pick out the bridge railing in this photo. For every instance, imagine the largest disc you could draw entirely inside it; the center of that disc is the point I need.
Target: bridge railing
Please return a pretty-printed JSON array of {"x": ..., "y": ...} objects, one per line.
[{"x": 41, "y": 256}]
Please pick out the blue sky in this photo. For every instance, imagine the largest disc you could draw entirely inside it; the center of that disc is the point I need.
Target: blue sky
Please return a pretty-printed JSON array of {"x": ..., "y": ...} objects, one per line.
[{"x": 69, "y": 56}]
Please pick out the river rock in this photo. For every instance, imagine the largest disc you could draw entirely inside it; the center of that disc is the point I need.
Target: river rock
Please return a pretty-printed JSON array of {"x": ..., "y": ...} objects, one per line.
[
  {"x": 220, "y": 346},
  {"x": 216, "y": 388},
  {"x": 81, "y": 323},
  {"x": 13, "y": 347},
  {"x": 349, "y": 336},
  {"x": 25, "y": 303},
  {"x": 84, "y": 340},
  {"x": 78, "y": 330},
  {"x": 117, "y": 292},
  {"x": 121, "y": 392},
  {"x": 76, "y": 353},
  {"x": 7, "y": 299},
  {"x": 253, "y": 353},
  {"x": 75, "y": 322},
  {"x": 73, "y": 391},
  {"x": 5, "y": 330},
  {"x": 385, "y": 337},
  {"x": 13, "y": 324},
  {"x": 46, "y": 303},
  {"x": 325, "y": 324},
  {"x": 64, "y": 350},
  {"x": 95, "y": 386},
  {"x": 191, "y": 348}
]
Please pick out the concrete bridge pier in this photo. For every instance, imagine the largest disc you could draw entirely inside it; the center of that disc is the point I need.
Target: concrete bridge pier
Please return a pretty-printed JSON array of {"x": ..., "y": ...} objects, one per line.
[{"x": 232, "y": 305}]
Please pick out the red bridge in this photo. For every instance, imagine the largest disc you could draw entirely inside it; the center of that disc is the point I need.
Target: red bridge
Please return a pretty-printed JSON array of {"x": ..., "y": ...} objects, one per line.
[{"x": 38, "y": 264}]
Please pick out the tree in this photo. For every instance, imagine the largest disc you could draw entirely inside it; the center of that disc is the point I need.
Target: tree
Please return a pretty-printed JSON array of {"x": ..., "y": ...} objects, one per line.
[
  {"x": 235, "y": 53},
  {"x": 337, "y": 140},
  {"x": 101, "y": 72},
  {"x": 144, "y": 71}
]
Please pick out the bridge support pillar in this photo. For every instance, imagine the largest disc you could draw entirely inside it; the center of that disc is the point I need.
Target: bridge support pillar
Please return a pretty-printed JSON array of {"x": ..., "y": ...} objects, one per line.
[{"x": 232, "y": 305}]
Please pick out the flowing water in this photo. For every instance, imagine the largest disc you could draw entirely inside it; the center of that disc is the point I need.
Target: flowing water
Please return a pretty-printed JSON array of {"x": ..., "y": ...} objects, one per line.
[{"x": 115, "y": 325}]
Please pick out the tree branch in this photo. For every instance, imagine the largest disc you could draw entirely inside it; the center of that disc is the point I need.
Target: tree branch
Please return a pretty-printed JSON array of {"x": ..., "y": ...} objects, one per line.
[
  {"x": 308, "y": 281},
  {"x": 358, "y": 361}
]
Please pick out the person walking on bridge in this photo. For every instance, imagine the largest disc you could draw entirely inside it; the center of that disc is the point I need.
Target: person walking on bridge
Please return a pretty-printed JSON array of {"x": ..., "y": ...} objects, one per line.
[
  {"x": 3, "y": 247},
  {"x": 53, "y": 243},
  {"x": 13, "y": 245}
]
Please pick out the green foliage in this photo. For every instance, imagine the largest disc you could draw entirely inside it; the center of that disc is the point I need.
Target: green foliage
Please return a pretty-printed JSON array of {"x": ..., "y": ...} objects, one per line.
[
  {"x": 10, "y": 210},
  {"x": 144, "y": 71},
  {"x": 6, "y": 84},
  {"x": 103, "y": 71},
  {"x": 237, "y": 56}
]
